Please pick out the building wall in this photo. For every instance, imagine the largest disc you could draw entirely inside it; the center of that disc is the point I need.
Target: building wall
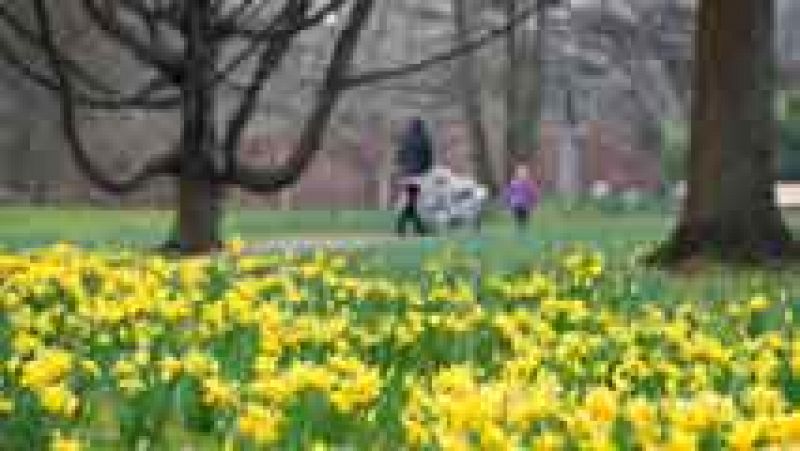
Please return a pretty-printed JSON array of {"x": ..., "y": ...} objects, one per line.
[{"x": 609, "y": 152}]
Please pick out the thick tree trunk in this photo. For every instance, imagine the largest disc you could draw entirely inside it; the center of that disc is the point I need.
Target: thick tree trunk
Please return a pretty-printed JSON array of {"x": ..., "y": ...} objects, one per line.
[
  {"x": 199, "y": 214},
  {"x": 199, "y": 194},
  {"x": 730, "y": 211},
  {"x": 471, "y": 98}
]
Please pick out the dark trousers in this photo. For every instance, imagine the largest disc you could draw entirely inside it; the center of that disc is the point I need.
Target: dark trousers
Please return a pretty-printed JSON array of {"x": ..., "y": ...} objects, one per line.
[
  {"x": 522, "y": 217},
  {"x": 410, "y": 214}
]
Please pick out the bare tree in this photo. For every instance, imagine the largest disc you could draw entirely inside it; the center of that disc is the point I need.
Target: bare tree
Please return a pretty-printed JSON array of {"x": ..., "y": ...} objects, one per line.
[
  {"x": 469, "y": 84},
  {"x": 185, "y": 45},
  {"x": 514, "y": 152},
  {"x": 522, "y": 84}
]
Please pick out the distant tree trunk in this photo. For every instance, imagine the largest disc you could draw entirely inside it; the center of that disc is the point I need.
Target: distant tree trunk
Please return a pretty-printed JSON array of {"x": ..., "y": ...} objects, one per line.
[
  {"x": 533, "y": 105},
  {"x": 730, "y": 211},
  {"x": 514, "y": 154},
  {"x": 471, "y": 97},
  {"x": 570, "y": 162},
  {"x": 523, "y": 88}
]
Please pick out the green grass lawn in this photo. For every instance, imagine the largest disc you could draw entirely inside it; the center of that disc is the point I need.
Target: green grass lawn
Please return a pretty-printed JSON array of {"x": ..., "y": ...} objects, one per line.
[
  {"x": 498, "y": 246},
  {"x": 619, "y": 236},
  {"x": 36, "y": 226},
  {"x": 26, "y": 226}
]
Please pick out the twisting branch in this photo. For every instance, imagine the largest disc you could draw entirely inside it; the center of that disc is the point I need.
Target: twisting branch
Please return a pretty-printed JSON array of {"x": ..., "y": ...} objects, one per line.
[
  {"x": 274, "y": 30},
  {"x": 267, "y": 180},
  {"x": 8, "y": 55},
  {"x": 278, "y": 28},
  {"x": 157, "y": 57},
  {"x": 154, "y": 13},
  {"x": 155, "y": 16},
  {"x": 95, "y": 93},
  {"x": 281, "y": 27},
  {"x": 336, "y": 82},
  {"x": 270, "y": 60},
  {"x": 379, "y": 75},
  {"x": 141, "y": 99},
  {"x": 161, "y": 165},
  {"x": 31, "y": 38},
  {"x": 236, "y": 29},
  {"x": 245, "y": 8}
]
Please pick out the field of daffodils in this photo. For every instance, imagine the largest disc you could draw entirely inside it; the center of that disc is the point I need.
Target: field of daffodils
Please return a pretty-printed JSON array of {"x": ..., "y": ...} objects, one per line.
[{"x": 336, "y": 350}]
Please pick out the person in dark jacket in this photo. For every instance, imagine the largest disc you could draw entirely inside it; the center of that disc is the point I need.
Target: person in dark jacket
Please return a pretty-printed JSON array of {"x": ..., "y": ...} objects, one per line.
[
  {"x": 416, "y": 159},
  {"x": 416, "y": 149}
]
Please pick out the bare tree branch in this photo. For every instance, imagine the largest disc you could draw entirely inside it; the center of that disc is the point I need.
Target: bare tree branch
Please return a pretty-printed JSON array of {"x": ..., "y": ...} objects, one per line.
[
  {"x": 107, "y": 97},
  {"x": 8, "y": 55},
  {"x": 245, "y": 8},
  {"x": 161, "y": 165},
  {"x": 273, "y": 30},
  {"x": 156, "y": 16},
  {"x": 470, "y": 90},
  {"x": 379, "y": 75},
  {"x": 154, "y": 12},
  {"x": 157, "y": 57},
  {"x": 270, "y": 61},
  {"x": 142, "y": 99},
  {"x": 229, "y": 29},
  {"x": 31, "y": 38},
  {"x": 267, "y": 180}
]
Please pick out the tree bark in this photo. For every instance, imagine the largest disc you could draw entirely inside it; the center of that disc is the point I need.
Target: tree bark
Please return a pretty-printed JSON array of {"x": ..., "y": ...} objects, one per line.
[
  {"x": 198, "y": 215},
  {"x": 533, "y": 93},
  {"x": 523, "y": 89},
  {"x": 471, "y": 98},
  {"x": 730, "y": 212},
  {"x": 514, "y": 154},
  {"x": 199, "y": 194}
]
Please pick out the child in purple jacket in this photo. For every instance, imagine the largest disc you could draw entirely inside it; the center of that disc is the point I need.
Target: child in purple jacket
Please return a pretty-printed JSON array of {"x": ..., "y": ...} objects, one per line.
[{"x": 521, "y": 196}]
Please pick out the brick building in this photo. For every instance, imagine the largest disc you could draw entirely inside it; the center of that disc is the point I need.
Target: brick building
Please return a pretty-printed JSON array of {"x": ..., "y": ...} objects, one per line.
[{"x": 608, "y": 152}]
